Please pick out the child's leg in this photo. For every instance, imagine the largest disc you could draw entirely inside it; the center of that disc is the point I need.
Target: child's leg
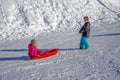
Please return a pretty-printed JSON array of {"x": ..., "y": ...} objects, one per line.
[
  {"x": 81, "y": 43},
  {"x": 87, "y": 46},
  {"x": 51, "y": 51}
]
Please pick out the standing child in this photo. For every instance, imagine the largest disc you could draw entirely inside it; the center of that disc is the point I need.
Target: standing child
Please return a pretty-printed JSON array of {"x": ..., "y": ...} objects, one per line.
[{"x": 85, "y": 31}]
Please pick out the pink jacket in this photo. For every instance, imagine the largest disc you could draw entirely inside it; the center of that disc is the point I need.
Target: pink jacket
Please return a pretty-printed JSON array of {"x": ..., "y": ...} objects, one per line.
[{"x": 33, "y": 51}]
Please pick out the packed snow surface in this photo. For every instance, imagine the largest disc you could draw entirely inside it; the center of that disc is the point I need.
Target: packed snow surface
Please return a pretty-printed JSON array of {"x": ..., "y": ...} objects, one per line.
[
  {"x": 26, "y": 18},
  {"x": 100, "y": 62}
]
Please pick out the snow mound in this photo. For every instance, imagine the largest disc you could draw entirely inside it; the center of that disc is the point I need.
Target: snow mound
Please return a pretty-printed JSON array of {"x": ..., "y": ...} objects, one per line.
[{"x": 26, "y": 18}]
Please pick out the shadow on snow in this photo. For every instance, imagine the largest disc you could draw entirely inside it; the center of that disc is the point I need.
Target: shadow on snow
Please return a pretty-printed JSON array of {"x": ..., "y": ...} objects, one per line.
[
  {"x": 25, "y": 58},
  {"x": 22, "y": 50},
  {"x": 100, "y": 35}
]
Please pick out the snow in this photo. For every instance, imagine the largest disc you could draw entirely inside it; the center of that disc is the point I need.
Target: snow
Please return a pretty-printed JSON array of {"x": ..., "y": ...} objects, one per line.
[
  {"x": 55, "y": 24},
  {"x": 100, "y": 62},
  {"x": 26, "y": 18}
]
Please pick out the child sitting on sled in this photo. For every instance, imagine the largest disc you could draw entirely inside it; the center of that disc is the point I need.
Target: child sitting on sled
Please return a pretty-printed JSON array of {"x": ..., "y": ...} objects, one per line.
[
  {"x": 35, "y": 53},
  {"x": 32, "y": 49}
]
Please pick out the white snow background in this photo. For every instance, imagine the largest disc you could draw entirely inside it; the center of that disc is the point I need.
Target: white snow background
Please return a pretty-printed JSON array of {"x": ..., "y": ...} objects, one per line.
[{"x": 55, "y": 24}]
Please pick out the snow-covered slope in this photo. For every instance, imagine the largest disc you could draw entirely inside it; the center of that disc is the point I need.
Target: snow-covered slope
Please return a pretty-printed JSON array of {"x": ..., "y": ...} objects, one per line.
[
  {"x": 100, "y": 62},
  {"x": 25, "y": 18}
]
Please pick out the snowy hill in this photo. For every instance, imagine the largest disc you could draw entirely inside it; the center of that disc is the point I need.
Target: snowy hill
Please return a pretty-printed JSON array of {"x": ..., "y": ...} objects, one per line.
[
  {"x": 55, "y": 24},
  {"x": 26, "y": 18},
  {"x": 100, "y": 62}
]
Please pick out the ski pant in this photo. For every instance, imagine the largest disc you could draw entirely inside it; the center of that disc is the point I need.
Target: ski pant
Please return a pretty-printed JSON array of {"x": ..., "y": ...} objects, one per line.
[{"x": 84, "y": 44}]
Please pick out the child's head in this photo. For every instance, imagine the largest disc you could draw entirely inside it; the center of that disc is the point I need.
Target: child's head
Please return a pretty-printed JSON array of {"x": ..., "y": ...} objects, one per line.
[
  {"x": 34, "y": 42},
  {"x": 86, "y": 19}
]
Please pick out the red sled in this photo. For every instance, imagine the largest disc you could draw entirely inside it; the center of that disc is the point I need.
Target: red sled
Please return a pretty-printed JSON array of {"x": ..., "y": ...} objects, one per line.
[{"x": 47, "y": 53}]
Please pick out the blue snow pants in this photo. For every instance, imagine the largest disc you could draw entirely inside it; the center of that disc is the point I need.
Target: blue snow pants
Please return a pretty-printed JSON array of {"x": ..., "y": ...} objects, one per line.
[{"x": 84, "y": 44}]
